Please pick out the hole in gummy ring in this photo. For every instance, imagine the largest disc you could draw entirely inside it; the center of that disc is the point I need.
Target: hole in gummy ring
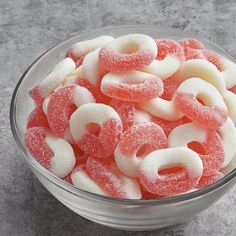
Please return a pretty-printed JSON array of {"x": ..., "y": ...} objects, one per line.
[
  {"x": 171, "y": 169},
  {"x": 93, "y": 128},
  {"x": 129, "y": 48},
  {"x": 143, "y": 150},
  {"x": 197, "y": 147}
]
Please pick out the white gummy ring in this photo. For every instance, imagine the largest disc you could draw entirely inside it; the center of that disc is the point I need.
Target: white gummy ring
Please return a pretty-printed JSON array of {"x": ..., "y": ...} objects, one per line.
[
  {"x": 184, "y": 134},
  {"x": 128, "y": 52},
  {"x": 204, "y": 91},
  {"x": 56, "y": 77},
  {"x": 82, "y": 48},
  {"x": 203, "y": 69},
  {"x": 157, "y": 184},
  {"x": 132, "y": 86},
  {"x": 63, "y": 160},
  {"x": 212, "y": 114}
]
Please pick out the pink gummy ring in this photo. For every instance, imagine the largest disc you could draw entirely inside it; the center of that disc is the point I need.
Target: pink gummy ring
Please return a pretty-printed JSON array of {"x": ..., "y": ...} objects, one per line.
[
  {"x": 128, "y": 52},
  {"x": 132, "y": 86}
]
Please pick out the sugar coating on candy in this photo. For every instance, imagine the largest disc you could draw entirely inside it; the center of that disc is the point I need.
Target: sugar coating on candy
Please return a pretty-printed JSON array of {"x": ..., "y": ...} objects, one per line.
[
  {"x": 132, "y": 86},
  {"x": 170, "y": 184},
  {"x": 82, "y": 48},
  {"x": 62, "y": 104},
  {"x": 112, "y": 181},
  {"x": 103, "y": 143},
  {"x": 126, "y": 111},
  {"x": 202, "y": 69},
  {"x": 214, "y": 58},
  {"x": 56, "y": 77},
  {"x": 168, "y": 47},
  {"x": 210, "y": 141},
  {"x": 170, "y": 87},
  {"x": 128, "y": 52},
  {"x": 191, "y": 43},
  {"x": 228, "y": 73},
  {"x": 135, "y": 144},
  {"x": 81, "y": 179},
  {"x": 192, "y": 48},
  {"x": 168, "y": 125},
  {"x": 213, "y": 114},
  {"x": 92, "y": 69},
  {"x": 164, "y": 68},
  {"x": 53, "y": 153},
  {"x": 207, "y": 180},
  {"x": 37, "y": 118},
  {"x": 227, "y": 133},
  {"x": 34, "y": 140}
]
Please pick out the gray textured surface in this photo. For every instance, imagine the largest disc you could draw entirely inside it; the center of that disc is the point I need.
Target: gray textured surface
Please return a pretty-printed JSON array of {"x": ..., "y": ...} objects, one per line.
[{"x": 28, "y": 28}]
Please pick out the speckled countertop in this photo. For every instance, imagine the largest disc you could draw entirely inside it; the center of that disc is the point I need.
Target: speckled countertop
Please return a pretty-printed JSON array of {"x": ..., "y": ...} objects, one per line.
[{"x": 27, "y": 29}]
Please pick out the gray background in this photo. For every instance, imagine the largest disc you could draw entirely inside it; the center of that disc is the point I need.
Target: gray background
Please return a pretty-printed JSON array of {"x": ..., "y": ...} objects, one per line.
[{"x": 27, "y": 29}]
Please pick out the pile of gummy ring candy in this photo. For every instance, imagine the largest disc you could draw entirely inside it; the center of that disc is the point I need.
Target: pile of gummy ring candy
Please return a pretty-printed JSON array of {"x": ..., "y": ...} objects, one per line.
[{"x": 137, "y": 118}]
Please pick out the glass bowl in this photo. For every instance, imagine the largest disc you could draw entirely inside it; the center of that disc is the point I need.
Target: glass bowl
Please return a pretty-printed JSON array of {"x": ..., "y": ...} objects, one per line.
[{"x": 117, "y": 213}]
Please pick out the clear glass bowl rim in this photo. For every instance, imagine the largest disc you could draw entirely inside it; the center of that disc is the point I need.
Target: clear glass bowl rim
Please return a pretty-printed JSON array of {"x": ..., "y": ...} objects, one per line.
[{"x": 81, "y": 193}]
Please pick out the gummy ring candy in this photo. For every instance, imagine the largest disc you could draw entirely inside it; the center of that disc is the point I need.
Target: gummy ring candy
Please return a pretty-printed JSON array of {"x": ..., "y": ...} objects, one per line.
[
  {"x": 55, "y": 154},
  {"x": 92, "y": 70},
  {"x": 228, "y": 73},
  {"x": 212, "y": 114},
  {"x": 80, "y": 49},
  {"x": 161, "y": 108},
  {"x": 82, "y": 180},
  {"x": 230, "y": 101},
  {"x": 112, "y": 181},
  {"x": 84, "y": 124},
  {"x": 146, "y": 138},
  {"x": 227, "y": 133},
  {"x": 168, "y": 47},
  {"x": 202, "y": 69},
  {"x": 207, "y": 180},
  {"x": 62, "y": 104},
  {"x": 132, "y": 86},
  {"x": 126, "y": 111},
  {"x": 172, "y": 183},
  {"x": 210, "y": 141},
  {"x": 164, "y": 68},
  {"x": 53, "y": 79},
  {"x": 37, "y": 118},
  {"x": 128, "y": 52}
]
